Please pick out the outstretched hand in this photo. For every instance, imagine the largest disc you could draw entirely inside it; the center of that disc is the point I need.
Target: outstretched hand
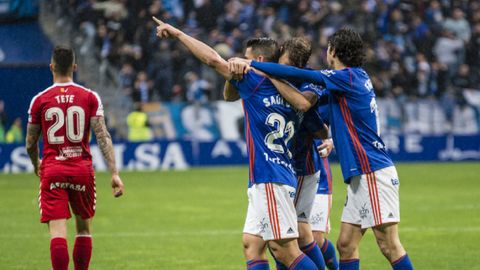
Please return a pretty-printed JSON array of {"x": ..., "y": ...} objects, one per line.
[{"x": 165, "y": 30}]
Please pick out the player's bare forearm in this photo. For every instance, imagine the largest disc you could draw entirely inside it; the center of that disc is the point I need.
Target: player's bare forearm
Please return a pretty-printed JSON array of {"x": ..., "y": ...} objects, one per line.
[
  {"x": 31, "y": 144},
  {"x": 199, "y": 49},
  {"x": 104, "y": 141},
  {"x": 230, "y": 93},
  {"x": 206, "y": 54},
  {"x": 300, "y": 101}
]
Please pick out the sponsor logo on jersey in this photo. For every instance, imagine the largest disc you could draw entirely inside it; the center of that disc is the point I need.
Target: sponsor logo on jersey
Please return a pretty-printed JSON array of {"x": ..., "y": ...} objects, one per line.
[
  {"x": 369, "y": 85},
  {"x": 378, "y": 145},
  {"x": 70, "y": 186},
  {"x": 290, "y": 231}
]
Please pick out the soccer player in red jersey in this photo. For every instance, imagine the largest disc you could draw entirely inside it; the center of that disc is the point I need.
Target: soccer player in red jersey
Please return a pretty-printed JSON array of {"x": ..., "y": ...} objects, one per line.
[{"x": 64, "y": 114}]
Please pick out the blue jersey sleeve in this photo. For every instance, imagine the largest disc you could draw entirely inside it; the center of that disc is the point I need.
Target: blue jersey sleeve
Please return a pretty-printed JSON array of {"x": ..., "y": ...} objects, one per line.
[
  {"x": 315, "y": 88},
  {"x": 338, "y": 80},
  {"x": 289, "y": 72},
  {"x": 248, "y": 85}
]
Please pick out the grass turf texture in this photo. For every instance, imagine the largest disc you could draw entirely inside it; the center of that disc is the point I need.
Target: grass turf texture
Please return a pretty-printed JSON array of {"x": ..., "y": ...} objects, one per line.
[{"x": 194, "y": 219}]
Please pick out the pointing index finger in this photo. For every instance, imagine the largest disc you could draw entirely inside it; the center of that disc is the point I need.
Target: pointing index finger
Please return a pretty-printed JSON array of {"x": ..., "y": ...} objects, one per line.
[{"x": 157, "y": 20}]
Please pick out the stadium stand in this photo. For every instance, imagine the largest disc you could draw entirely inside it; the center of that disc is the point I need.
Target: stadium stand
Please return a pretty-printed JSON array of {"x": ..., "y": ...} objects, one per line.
[
  {"x": 423, "y": 57},
  {"x": 422, "y": 54}
]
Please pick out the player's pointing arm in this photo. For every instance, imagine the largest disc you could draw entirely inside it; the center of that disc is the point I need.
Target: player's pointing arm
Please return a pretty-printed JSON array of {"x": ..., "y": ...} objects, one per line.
[{"x": 201, "y": 50}]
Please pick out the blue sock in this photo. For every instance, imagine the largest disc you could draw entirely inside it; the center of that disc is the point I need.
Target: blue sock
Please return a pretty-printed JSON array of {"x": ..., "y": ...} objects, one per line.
[
  {"x": 315, "y": 254},
  {"x": 403, "y": 263},
  {"x": 353, "y": 264},
  {"x": 302, "y": 263},
  {"x": 257, "y": 265},
  {"x": 328, "y": 251}
]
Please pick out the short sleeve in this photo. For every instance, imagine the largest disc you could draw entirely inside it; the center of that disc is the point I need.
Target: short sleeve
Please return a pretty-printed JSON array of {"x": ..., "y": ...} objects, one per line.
[
  {"x": 96, "y": 105},
  {"x": 248, "y": 85},
  {"x": 338, "y": 80},
  {"x": 34, "y": 111},
  {"x": 315, "y": 88}
]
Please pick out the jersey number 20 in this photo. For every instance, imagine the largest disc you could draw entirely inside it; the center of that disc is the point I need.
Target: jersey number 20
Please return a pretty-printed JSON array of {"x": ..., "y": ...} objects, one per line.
[
  {"x": 75, "y": 125},
  {"x": 282, "y": 128}
]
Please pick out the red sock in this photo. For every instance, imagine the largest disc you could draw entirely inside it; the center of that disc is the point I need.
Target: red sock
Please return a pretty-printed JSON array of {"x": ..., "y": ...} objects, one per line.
[
  {"x": 82, "y": 252},
  {"x": 59, "y": 253}
]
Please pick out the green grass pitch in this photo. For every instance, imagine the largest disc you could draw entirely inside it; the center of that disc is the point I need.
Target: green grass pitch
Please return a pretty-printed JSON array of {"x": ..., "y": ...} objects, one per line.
[{"x": 194, "y": 219}]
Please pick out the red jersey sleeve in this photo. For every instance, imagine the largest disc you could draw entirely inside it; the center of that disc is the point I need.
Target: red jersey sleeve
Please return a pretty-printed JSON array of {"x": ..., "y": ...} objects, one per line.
[
  {"x": 96, "y": 105},
  {"x": 35, "y": 112}
]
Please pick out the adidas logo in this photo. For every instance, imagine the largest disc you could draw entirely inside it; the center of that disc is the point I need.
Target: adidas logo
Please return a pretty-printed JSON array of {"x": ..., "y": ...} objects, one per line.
[
  {"x": 390, "y": 215},
  {"x": 302, "y": 215},
  {"x": 290, "y": 231}
]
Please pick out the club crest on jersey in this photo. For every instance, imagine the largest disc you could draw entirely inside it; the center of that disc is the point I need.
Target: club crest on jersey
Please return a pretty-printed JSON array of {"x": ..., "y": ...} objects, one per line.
[
  {"x": 317, "y": 218},
  {"x": 363, "y": 211},
  {"x": 327, "y": 72},
  {"x": 262, "y": 226}
]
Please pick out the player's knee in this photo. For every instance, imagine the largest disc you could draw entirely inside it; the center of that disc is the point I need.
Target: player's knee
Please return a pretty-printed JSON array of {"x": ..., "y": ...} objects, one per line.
[
  {"x": 305, "y": 236},
  {"x": 319, "y": 237},
  {"x": 83, "y": 232},
  {"x": 390, "y": 249},
  {"x": 345, "y": 247},
  {"x": 251, "y": 249}
]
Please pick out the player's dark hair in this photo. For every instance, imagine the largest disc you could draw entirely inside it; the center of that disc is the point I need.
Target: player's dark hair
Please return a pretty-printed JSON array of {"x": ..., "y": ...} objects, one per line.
[
  {"x": 299, "y": 50},
  {"x": 348, "y": 47},
  {"x": 264, "y": 46},
  {"x": 63, "y": 59}
]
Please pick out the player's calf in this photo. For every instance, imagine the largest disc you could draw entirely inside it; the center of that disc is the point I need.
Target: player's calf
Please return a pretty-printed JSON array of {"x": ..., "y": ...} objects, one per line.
[
  {"x": 288, "y": 253},
  {"x": 59, "y": 253},
  {"x": 328, "y": 250},
  {"x": 82, "y": 251}
]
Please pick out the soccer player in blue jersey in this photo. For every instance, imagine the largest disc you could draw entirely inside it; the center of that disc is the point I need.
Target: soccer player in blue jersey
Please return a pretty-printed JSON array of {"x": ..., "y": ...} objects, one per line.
[
  {"x": 269, "y": 125},
  {"x": 296, "y": 52},
  {"x": 373, "y": 185}
]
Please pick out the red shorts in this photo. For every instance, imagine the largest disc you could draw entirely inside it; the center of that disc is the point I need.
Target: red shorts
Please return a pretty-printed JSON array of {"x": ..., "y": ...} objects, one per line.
[{"x": 58, "y": 192}]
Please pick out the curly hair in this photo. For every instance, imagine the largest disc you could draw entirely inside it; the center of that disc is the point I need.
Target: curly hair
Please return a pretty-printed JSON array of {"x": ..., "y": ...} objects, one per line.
[
  {"x": 299, "y": 50},
  {"x": 348, "y": 47},
  {"x": 264, "y": 46}
]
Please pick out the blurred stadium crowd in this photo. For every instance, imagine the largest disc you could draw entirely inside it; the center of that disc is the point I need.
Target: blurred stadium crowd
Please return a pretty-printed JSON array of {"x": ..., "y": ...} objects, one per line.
[
  {"x": 414, "y": 48},
  {"x": 422, "y": 56}
]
